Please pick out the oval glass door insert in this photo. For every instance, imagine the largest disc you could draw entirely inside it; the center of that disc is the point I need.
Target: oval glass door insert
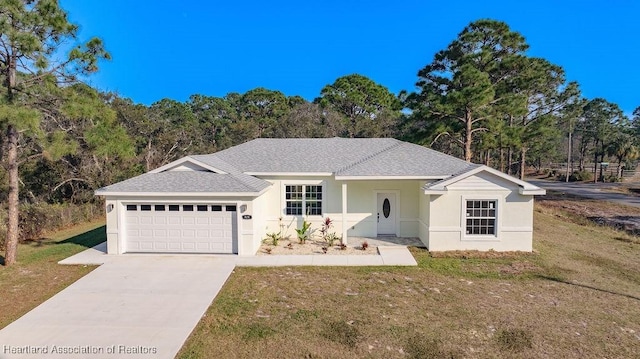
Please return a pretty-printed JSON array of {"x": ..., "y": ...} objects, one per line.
[{"x": 386, "y": 208}]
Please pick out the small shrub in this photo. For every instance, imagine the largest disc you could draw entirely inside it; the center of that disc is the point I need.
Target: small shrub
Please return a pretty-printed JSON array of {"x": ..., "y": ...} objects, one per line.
[
  {"x": 365, "y": 245},
  {"x": 581, "y": 176},
  {"x": 343, "y": 246},
  {"x": 304, "y": 232},
  {"x": 274, "y": 238},
  {"x": 612, "y": 179},
  {"x": 331, "y": 238},
  {"x": 343, "y": 333},
  {"x": 514, "y": 340},
  {"x": 268, "y": 250}
]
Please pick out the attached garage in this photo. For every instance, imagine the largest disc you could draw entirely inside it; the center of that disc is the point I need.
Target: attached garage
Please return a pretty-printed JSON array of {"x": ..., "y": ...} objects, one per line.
[{"x": 180, "y": 228}]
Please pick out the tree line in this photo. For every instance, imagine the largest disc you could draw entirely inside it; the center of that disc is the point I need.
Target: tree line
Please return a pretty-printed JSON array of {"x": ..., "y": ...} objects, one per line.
[{"x": 482, "y": 99}]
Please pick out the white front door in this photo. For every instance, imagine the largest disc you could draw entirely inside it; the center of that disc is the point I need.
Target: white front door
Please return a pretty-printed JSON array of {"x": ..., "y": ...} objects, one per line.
[{"x": 386, "y": 213}]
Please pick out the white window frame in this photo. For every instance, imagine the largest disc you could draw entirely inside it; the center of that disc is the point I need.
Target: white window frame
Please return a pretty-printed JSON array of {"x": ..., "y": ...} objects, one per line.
[
  {"x": 463, "y": 218},
  {"x": 303, "y": 183}
]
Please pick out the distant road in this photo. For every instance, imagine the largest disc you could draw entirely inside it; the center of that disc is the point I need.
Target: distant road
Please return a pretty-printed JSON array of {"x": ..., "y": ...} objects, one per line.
[{"x": 589, "y": 190}]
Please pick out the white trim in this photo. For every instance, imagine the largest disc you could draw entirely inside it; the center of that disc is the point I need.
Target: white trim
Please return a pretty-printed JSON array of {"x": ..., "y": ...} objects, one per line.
[
  {"x": 463, "y": 218},
  {"x": 187, "y": 159},
  {"x": 300, "y": 174},
  {"x": 178, "y": 194},
  {"x": 283, "y": 194},
  {"x": 344, "y": 212},
  {"x": 436, "y": 192},
  {"x": 367, "y": 178},
  {"x": 526, "y": 188},
  {"x": 532, "y": 192},
  {"x": 374, "y": 212}
]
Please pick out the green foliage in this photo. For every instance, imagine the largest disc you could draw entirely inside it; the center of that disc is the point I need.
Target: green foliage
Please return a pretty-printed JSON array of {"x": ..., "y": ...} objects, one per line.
[
  {"x": 304, "y": 232},
  {"x": 24, "y": 118},
  {"x": 59, "y": 145},
  {"x": 578, "y": 176},
  {"x": 369, "y": 109},
  {"x": 37, "y": 219},
  {"x": 274, "y": 238}
]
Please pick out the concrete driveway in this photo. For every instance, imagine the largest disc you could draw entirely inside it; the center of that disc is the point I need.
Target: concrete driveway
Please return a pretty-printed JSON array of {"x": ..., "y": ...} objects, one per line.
[{"x": 130, "y": 307}]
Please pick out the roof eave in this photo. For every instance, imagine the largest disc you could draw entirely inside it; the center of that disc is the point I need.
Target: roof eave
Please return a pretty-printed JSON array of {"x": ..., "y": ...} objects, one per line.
[
  {"x": 178, "y": 194},
  {"x": 435, "y": 191},
  {"x": 297, "y": 174},
  {"x": 532, "y": 191},
  {"x": 351, "y": 178}
]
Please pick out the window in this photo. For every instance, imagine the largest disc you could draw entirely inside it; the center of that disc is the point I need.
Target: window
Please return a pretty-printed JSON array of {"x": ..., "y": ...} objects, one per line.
[
  {"x": 132, "y": 207},
  {"x": 187, "y": 207},
  {"x": 303, "y": 199},
  {"x": 174, "y": 207},
  {"x": 216, "y": 208},
  {"x": 159, "y": 207},
  {"x": 230, "y": 208},
  {"x": 202, "y": 208},
  {"x": 481, "y": 217},
  {"x": 145, "y": 207}
]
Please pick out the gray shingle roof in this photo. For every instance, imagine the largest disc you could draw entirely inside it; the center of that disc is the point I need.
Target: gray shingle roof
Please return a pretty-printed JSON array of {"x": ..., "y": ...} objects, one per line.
[
  {"x": 407, "y": 159},
  {"x": 183, "y": 182},
  {"x": 352, "y": 157},
  {"x": 301, "y": 154}
]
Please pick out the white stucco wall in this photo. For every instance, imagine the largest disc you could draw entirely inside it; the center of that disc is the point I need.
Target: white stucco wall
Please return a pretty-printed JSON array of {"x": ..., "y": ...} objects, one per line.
[{"x": 447, "y": 227}]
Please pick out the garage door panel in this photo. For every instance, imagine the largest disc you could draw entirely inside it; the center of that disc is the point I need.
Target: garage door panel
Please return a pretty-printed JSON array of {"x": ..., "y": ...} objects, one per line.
[
  {"x": 160, "y": 233},
  {"x": 179, "y": 231}
]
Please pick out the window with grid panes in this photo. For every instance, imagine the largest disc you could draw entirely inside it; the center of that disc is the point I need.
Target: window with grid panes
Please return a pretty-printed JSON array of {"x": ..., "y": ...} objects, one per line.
[
  {"x": 481, "y": 217},
  {"x": 303, "y": 200}
]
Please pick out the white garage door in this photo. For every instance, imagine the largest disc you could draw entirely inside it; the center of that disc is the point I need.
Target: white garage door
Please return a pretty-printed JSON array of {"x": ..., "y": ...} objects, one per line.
[{"x": 180, "y": 228}]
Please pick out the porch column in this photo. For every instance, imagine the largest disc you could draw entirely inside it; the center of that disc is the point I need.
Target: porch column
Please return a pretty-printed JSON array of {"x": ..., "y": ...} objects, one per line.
[{"x": 344, "y": 212}]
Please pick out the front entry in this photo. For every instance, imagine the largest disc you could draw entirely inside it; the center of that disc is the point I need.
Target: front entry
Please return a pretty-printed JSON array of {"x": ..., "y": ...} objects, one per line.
[{"x": 386, "y": 213}]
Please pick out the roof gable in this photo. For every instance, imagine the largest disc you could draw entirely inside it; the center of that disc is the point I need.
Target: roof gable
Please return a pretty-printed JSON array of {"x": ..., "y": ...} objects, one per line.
[
  {"x": 187, "y": 164},
  {"x": 482, "y": 177}
]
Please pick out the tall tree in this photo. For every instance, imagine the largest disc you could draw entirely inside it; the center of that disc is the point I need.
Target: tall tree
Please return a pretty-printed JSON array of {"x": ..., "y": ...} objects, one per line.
[
  {"x": 264, "y": 108},
  {"x": 601, "y": 118},
  {"x": 369, "y": 109},
  {"x": 32, "y": 35},
  {"x": 460, "y": 89}
]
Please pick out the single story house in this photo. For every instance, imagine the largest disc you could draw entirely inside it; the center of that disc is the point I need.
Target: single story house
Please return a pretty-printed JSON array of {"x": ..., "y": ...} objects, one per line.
[{"x": 228, "y": 201}]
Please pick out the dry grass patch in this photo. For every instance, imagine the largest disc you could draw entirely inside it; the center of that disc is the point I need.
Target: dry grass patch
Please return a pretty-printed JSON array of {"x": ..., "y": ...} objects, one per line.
[
  {"x": 579, "y": 297},
  {"x": 37, "y": 276}
]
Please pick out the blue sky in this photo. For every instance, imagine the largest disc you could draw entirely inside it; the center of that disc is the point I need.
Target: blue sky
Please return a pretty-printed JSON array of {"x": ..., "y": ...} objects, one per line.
[{"x": 172, "y": 49}]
